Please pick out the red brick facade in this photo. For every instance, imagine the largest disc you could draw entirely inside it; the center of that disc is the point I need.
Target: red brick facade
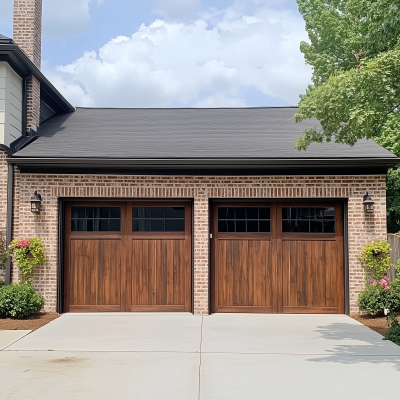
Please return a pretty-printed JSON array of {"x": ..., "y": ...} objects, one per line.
[
  {"x": 27, "y": 28},
  {"x": 361, "y": 228},
  {"x": 27, "y": 34}
]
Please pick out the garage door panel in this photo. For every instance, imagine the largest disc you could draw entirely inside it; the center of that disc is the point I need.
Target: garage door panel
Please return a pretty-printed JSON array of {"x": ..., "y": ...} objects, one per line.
[
  {"x": 313, "y": 270},
  {"x": 158, "y": 273},
  {"x": 297, "y": 268},
  {"x": 94, "y": 273},
  {"x": 128, "y": 256},
  {"x": 244, "y": 274}
]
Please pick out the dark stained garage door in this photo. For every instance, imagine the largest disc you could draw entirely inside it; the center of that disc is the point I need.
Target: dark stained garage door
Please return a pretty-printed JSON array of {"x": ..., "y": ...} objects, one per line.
[
  {"x": 127, "y": 256},
  {"x": 278, "y": 258}
]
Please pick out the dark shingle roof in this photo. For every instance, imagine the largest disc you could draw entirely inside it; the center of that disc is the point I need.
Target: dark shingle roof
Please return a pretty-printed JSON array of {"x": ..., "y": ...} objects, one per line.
[
  {"x": 2, "y": 37},
  {"x": 185, "y": 133}
]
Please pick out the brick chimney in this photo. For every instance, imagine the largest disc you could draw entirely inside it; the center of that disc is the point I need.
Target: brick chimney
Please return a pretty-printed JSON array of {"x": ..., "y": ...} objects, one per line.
[{"x": 27, "y": 35}]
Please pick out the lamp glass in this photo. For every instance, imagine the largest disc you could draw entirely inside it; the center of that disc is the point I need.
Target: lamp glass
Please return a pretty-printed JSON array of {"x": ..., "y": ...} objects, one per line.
[{"x": 35, "y": 207}]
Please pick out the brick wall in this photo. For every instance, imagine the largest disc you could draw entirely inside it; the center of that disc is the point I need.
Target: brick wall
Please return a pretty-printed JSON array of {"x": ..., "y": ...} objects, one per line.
[
  {"x": 27, "y": 28},
  {"x": 27, "y": 34},
  {"x": 362, "y": 228},
  {"x": 32, "y": 103}
]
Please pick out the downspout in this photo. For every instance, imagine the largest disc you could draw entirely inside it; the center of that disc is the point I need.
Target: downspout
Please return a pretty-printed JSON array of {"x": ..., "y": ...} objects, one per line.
[{"x": 10, "y": 206}]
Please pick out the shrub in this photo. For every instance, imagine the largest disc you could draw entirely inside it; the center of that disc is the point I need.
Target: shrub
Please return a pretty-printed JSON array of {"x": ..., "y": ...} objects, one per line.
[
  {"x": 393, "y": 333},
  {"x": 2, "y": 283},
  {"x": 20, "y": 300},
  {"x": 375, "y": 259},
  {"x": 379, "y": 296}
]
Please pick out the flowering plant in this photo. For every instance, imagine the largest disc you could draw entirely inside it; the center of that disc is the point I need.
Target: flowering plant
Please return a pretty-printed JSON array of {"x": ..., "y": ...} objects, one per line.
[
  {"x": 375, "y": 259},
  {"x": 27, "y": 254},
  {"x": 384, "y": 282}
]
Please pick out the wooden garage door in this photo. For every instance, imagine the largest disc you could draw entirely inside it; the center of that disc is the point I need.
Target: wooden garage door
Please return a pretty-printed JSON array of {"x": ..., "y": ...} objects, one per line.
[
  {"x": 128, "y": 256},
  {"x": 278, "y": 258}
]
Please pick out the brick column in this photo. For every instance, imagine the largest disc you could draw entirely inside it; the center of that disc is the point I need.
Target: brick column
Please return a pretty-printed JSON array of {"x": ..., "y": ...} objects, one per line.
[
  {"x": 33, "y": 103},
  {"x": 27, "y": 28},
  {"x": 27, "y": 34},
  {"x": 201, "y": 245}
]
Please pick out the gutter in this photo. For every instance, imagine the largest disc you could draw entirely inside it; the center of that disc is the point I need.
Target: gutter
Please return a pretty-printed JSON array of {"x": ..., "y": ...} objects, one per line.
[
  {"x": 181, "y": 163},
  {"x": 21, "y": 62}
]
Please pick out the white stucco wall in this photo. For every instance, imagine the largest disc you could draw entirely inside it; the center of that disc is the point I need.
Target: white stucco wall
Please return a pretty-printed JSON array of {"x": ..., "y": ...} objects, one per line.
[{"x": 10, "y": 104}]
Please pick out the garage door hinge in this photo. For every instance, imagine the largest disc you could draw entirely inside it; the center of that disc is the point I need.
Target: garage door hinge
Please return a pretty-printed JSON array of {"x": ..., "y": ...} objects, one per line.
[{"x": 210, "y": 235}]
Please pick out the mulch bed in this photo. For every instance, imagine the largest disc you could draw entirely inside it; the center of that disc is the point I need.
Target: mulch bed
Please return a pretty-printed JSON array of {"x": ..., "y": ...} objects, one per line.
[
  {"x": 377, "y": 324},
  {"x": 31, "y": 323}
]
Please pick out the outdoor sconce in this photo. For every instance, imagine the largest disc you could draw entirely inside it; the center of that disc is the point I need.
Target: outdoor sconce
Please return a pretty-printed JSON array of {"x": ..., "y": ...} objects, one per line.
[
  {"x": 368, "y": 204},
  {"x": 36, "y": 202}
]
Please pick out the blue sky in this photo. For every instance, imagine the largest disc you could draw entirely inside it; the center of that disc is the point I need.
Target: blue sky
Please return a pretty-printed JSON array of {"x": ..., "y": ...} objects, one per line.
[{"x": 172, "y": 53}]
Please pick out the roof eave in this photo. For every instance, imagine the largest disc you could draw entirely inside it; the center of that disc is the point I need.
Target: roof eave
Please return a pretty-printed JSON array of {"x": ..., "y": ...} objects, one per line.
[
  {"x": 182, "y": 163},
  {"x": 20, "y": 62}
]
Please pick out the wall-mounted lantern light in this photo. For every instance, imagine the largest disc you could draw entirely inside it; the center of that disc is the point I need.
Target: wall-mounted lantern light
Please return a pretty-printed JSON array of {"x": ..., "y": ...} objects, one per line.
[
  {"x": 368, "y": 204},
  {"x": 36, "y": 202}
]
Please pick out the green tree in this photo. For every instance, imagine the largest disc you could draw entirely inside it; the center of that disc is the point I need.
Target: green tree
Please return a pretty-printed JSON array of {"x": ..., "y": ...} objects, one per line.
[
  {"x": 342, "y": 32},
  {"x": 355, "y": 53}
]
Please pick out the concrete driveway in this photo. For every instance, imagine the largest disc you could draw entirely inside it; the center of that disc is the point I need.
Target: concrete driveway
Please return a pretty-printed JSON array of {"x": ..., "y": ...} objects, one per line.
[{"x": 180, "y": 356}]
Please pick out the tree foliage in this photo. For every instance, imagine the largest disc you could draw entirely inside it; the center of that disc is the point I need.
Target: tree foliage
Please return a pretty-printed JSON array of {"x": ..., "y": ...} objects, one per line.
[
  {"x": 354, "y": 50},
  {"x": 342, "y": 32},
  {"x": 361, "y": 103}
]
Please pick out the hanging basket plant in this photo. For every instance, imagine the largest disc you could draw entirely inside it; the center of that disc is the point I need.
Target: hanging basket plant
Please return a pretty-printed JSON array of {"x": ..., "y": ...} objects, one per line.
[
  {"x": 27, "y": 254},
  {"x": 375, "y": 259}
]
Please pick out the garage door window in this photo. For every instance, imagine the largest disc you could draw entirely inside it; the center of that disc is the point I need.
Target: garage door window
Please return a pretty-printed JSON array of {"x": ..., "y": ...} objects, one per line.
[
  {"x": 244, "y": 219},
  {"x": 158, "y": 219},
  {"x": 96, "y": 219},
  {"x": 308, "y": 219}
]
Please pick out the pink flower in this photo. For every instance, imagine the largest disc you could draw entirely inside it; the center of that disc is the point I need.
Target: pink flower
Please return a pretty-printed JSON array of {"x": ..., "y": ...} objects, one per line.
[
  {"x": 24, "y": 243},
  {"x": 386, "y": 278},
  {"x": 387, "y": 287}
]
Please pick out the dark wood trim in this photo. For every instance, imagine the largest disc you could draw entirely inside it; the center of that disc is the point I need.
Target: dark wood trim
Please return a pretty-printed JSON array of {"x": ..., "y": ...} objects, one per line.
[
  {"x": 308, "y": 236},
  {"x": 93, "y": 203},
  {"x": 346, "y": 256},
  {"x": 244, "y": 236},
  {"x": 83, "y": 309},
  {"x": 159, "y": 309},
  {"x": 158, "y": 235},
  {"x": 311, "y": 310},
  {"x": 95, "y": 235},
  {"x": 60, "y": 257},
  {"x": 67, "y": 256},
  {"x": 244, "y": 309}
]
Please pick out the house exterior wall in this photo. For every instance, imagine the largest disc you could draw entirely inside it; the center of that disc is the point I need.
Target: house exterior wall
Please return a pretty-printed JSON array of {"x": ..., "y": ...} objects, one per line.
[
  {"x": 10, "y": 104},
  {"x": 361, "y": 228}
]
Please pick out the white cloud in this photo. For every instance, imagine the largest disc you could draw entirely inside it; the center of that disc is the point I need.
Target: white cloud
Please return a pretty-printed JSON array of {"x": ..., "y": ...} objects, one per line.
[{"x": 198, "y": 63}]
